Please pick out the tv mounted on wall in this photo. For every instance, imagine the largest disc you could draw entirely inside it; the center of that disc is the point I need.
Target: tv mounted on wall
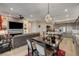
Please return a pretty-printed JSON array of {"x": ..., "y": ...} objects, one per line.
[{"x": 15, "y": 25}]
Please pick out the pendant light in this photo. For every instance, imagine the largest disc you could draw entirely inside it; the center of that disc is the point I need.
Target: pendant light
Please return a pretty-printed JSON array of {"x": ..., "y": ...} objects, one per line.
[{"x": 48, "y": 17}]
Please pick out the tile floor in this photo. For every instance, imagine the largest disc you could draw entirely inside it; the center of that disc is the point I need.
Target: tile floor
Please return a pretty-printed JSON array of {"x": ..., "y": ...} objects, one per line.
[
  {"x": 21, "y": 51},
  {"x": 65, "y": 45},
  {"x": 68, "y": 46}
]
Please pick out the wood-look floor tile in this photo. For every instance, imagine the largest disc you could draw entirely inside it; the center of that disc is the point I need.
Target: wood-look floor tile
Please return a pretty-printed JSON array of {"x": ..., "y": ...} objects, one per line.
[{"x": 68, "y": 46}]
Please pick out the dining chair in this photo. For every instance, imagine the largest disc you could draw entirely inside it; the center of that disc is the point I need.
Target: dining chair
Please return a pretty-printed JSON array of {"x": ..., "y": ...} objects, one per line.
[
  {"x": 31, "y": 50},
  {"x": 40, "y": 49}
]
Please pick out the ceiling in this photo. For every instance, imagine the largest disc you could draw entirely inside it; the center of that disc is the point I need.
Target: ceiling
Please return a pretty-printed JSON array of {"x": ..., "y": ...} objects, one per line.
[{"x": 38, "y": 11}]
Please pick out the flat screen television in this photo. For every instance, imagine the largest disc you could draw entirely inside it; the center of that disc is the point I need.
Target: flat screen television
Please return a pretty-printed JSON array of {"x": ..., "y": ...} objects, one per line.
[{"x": 15, "y": 25}]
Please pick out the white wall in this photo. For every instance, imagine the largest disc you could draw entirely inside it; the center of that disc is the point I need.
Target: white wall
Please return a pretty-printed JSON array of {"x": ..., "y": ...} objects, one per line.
[{"x": 35, "y": 26}]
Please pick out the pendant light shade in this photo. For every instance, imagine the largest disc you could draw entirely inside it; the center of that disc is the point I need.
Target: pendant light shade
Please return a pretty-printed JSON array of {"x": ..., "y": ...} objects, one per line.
[{"x": 48, "y": 17}]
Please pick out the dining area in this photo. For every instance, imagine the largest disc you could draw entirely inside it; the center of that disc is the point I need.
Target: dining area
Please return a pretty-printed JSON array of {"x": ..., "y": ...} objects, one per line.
[
  {"x": 47, "y": 44},
  {"x": 41, "y": 36},
  {"x": 39, "y": 29},
  {"x": 35, "y": 44}
]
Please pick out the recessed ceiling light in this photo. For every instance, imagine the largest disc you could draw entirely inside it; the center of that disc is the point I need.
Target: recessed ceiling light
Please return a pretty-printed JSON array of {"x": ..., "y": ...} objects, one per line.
[
  {"x": 11, "y": 9},
  {"x": 66, "y": 10},
  {"x": 31, "y": 16}
]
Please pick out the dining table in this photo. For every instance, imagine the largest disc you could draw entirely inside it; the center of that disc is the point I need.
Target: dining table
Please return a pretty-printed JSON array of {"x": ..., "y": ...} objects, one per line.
[{"x": 45, "y": 42}]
